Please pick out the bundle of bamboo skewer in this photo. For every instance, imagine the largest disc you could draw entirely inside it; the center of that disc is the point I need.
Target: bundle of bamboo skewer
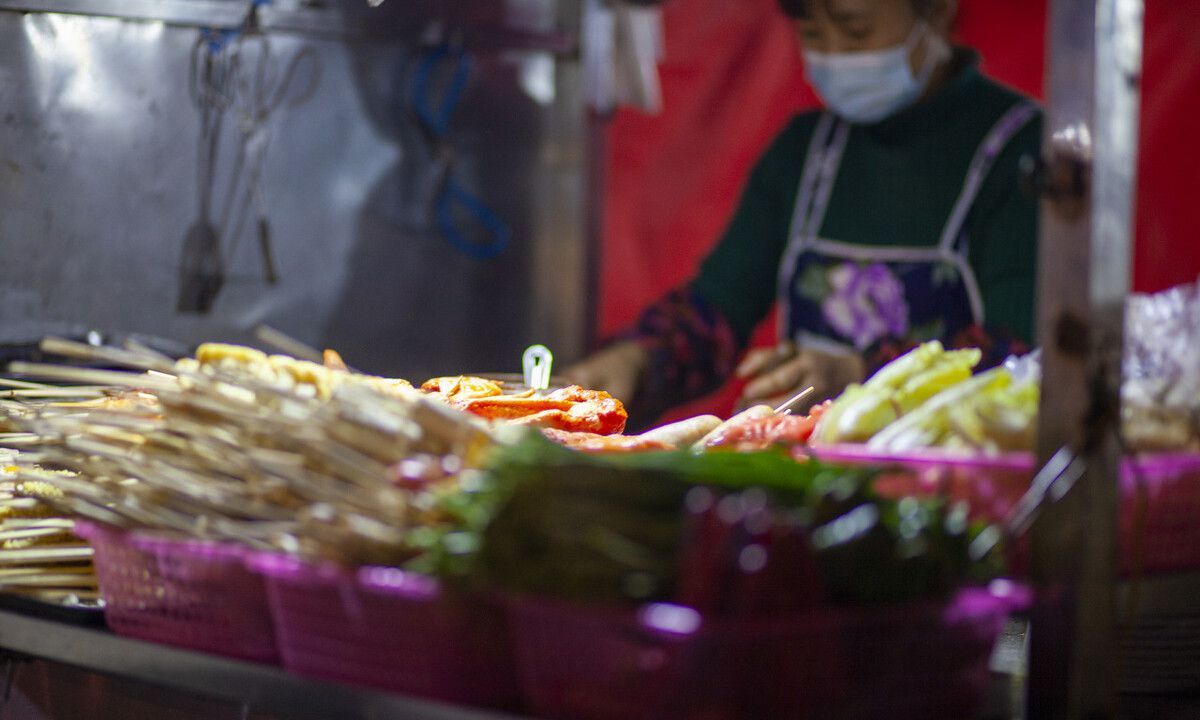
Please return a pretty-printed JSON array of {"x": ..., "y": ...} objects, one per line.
[
  {"x": 40, "y": 557},
  {"x": 240, "y": 451}
]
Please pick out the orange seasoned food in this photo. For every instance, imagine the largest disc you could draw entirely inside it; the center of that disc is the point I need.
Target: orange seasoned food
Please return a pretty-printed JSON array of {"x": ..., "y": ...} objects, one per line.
[
  {"x": 333, "y": 360},
  {"x": 594, "y": 443},
  {"x": 571, "y": 408},
  {"x": 462, "y": 388},
  {"x": 763, "y": 432}
]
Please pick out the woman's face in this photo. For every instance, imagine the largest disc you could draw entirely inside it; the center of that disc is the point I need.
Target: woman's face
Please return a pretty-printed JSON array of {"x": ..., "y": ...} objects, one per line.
[{"x": 851, "y": 26}]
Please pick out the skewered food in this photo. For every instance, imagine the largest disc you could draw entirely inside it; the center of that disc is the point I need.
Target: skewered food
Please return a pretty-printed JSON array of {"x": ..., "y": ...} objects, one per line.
[
  {"x": 684, "y": 433},
  {"x": 570, "y": 408},
  {"x": 261, "y": 451},
  {"x": 462, "y": 388},
  {"x": 1153, "y": 428},
  {"x": 40, "y": 557},
  {"x": 332, "y": 359},
  {"x": 760, "y": 433},
  {"x": 286, "y": 372},
  {"x": 899, "y": 387},
  {"x": 596, "y": 443},
  {"x": 757, "y": 411},
  {"x": 925, "y": 399}
]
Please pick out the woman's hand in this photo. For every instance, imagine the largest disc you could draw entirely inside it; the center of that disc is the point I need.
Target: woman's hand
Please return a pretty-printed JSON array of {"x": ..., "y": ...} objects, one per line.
[
  {"x": 616, "y": 369},
  {"x": 778, "y": 373}
]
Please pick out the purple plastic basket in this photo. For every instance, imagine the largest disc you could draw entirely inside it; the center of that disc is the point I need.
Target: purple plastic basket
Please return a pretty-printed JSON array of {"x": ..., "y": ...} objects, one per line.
[
  {"x": 667, "y": 661},
  {"x": 193, "y": 594},
  {"x": 1167, "y": 530},
  {"x": 388, "y": 629}
]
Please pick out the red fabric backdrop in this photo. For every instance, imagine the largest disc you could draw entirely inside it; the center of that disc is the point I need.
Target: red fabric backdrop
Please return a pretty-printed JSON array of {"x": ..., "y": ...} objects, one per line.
[
  {"x": 1168, "y": 215},
  {"x": 733, "y": 76}
]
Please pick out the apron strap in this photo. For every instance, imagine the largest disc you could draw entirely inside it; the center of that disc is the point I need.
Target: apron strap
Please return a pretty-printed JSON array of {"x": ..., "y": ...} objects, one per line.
[
  {"x": 985, "y": 157},
  {"x": 812, "y": 198},
  {"x": 831, "y": 162},
  {"x": 808, "y": 177}
]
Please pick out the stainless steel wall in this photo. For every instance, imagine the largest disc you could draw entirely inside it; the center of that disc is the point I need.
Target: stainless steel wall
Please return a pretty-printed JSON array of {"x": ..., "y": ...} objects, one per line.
[{"x": 98, "y": 178}]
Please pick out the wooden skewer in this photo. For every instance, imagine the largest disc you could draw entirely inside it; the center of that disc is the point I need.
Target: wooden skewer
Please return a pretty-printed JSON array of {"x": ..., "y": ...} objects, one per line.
[
  {"x": 30, "y": 533},
  {"x": 69, "y": 485},
  {"x": 144, "y": 350},
  {"x": 23, "y": 384},
  {"x": 54, "y": 580},
  {"x": 19, "y": 503},
  {"x": 20, "y": 439},
  {"x": 34, "y": 570},
  {"x": 53, "y": 392},
  {"x": 88, "y": 376},
  {"x": 47, "y": 522},
  {"x": 74, "y": 503},
  {"x": 288, "y": 344},
  {"x": 45, "y": 555},
  {"x": 109, "y": 355},
  {"x": 786, "y": 408},
  {"x": 56, "y": 595}
]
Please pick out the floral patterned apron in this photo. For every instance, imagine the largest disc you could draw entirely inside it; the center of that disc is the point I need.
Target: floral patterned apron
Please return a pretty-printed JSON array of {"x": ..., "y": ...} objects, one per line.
[{"x": 837, "y": 295}]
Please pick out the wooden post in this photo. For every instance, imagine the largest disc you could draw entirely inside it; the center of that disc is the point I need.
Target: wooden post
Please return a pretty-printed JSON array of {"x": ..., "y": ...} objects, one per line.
[{"x": 1087, "y": 180}]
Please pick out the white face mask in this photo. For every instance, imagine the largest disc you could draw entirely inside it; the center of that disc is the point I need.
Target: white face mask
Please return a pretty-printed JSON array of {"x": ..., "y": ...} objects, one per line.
[{"x": 866, "y": 87}]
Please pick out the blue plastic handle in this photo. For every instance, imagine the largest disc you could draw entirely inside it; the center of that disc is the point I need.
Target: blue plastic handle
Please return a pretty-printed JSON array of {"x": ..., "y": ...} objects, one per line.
[
  {"x": 215, "y": 39},
  {"x": 437, "y": 122},
  {"x": 500, "y": 234}
]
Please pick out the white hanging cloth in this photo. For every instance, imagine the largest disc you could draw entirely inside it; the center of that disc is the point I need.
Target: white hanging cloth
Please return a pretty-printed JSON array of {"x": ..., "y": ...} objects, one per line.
[{"x": 622, "y": 46}]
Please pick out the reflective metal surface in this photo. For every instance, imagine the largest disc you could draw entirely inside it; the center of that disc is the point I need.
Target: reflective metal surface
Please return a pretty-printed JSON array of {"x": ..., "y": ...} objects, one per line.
[
  {"x": 524, "y": 24},
  {"x": 264, "y": 690},
  {"x": 98, "y": 180}
]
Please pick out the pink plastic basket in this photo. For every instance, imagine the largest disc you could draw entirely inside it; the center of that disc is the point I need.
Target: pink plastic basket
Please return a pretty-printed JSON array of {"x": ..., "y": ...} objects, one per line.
[
  {"x": 193, "y": 594},
  {"x": 388, "y": 629},
  {"x": 667, "y": 661},
  {"x": 1169, "y": 531}
]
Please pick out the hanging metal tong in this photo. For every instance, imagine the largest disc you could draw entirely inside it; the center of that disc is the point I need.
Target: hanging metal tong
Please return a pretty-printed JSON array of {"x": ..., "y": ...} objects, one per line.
[{"x": 260, "y": 92}]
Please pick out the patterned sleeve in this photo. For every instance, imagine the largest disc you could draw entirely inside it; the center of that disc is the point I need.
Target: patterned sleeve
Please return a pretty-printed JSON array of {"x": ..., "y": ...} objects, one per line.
[{"x": 692, "y": 349}]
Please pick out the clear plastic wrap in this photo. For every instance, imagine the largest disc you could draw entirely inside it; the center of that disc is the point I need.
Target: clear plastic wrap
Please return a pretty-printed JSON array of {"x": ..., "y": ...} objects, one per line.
[{"x": 1161, "y": 390}]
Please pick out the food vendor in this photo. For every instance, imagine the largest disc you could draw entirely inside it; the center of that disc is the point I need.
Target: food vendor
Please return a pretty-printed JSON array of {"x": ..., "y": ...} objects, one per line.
[{"x": 890, "y": 217}]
